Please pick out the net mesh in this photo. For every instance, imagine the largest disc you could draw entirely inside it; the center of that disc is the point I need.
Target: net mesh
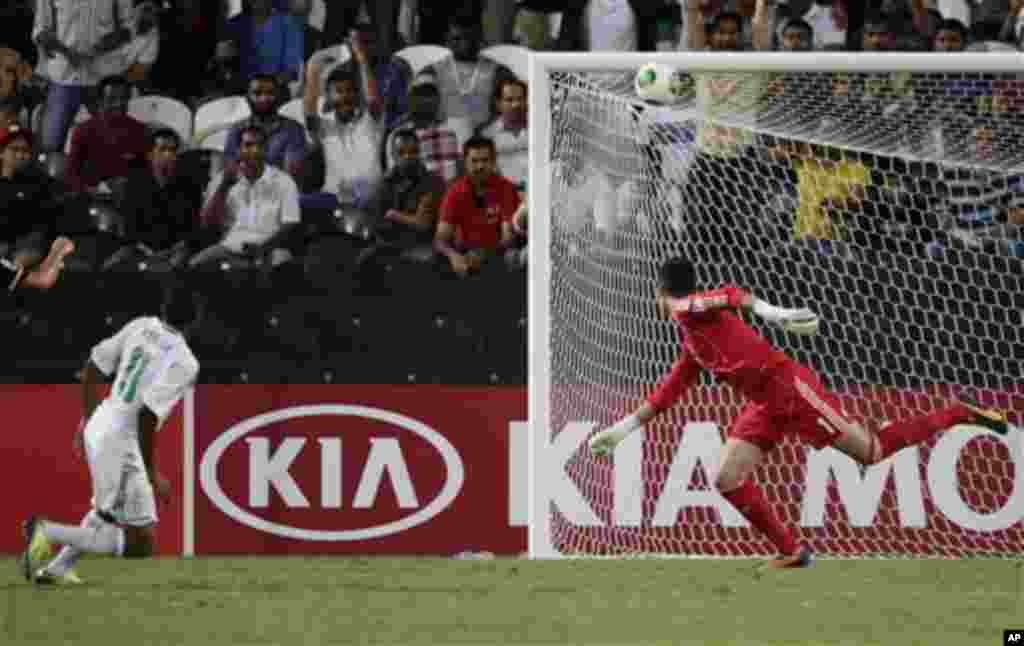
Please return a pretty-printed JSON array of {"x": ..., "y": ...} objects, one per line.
[{"x": 890, "y": 203}]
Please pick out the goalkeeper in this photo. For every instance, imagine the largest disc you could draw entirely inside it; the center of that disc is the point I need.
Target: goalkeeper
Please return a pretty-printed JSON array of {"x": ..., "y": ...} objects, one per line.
[{"x": 784, "y": 398}]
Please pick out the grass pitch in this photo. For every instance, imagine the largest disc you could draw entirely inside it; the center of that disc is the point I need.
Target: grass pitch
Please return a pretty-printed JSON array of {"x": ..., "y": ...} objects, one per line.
[{"x": 299, "y": 601}]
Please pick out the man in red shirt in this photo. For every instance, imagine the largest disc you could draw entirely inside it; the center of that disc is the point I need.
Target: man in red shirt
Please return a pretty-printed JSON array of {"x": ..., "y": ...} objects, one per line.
[
  {"x": 784, "y": 397},
  {"x": 109, "y": 145},
  {"x": 476, "y": 211}
]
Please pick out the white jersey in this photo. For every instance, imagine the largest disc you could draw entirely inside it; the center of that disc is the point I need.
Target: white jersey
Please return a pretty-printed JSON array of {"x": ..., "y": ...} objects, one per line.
[{"x": 154, "y": 367}]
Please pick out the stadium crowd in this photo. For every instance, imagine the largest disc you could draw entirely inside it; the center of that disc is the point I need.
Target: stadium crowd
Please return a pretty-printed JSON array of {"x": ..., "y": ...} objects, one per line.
[{"x": 305, "y": 175}]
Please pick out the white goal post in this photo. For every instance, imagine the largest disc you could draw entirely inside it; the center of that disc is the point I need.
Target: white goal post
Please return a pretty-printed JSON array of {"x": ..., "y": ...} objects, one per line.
[{"x": 914, "y": 306}]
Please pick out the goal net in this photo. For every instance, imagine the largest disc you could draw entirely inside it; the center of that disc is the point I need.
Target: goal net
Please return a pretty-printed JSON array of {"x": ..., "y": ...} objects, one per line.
[{"x": 886, "y": 197}]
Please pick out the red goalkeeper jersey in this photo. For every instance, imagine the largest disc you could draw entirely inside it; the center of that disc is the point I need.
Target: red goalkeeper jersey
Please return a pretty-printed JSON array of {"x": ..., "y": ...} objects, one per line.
[{"x": 714, "y": 338}]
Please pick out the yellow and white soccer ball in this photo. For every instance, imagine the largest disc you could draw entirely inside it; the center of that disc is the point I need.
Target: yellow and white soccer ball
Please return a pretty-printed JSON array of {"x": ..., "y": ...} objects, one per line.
[{"x": 661, "y": 84}]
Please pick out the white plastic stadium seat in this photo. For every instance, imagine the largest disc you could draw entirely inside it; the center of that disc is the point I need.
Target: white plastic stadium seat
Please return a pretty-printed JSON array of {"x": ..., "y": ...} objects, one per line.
[
  {"x": 216, "y": 140},
  {"x": 514, "y": 57},
  {"x": 420, "y": 56},
  {"x": 164, "y": 111},
  {"x": 293, "y": 110},
  {"x": 218, "y": 114}
]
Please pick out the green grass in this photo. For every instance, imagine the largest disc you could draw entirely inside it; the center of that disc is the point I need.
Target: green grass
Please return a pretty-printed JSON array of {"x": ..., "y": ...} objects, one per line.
[{"x": 298, "y": 601}]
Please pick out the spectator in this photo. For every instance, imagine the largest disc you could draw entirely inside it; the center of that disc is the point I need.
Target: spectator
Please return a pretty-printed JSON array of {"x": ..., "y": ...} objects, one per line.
[
  {"x": 268, "y": 42},
  {"x": 30, "y": 202},
  {"x": 797, "y": 36},
  {"x": 829, "y": 22},
  {"x": 533, "y": 22},
  {"x": 71, "y": 38},
  {"x": 509, "y": 133},
  {"x": 950, "y": 36},
  {"x": 441, "y": 140},
  {"x": 476, "y": 212},
  {"x": 343, "y": 17},
  {"x": 877, "y": 34},
  {"x": 16, "y": 85},
  {"x": 391, "y": 76},
  {"x": 252, "y": 209},
  {"x": 467, "y": 81},
  {"x": 134, "y": 59},
  {"x": 350, "y": 143},
  {"x": 1012, "y": 30},
  {"x": 255, "y": 205},
  {"x": 727, "y": 30},
  {"x": 405, "y": 206},
  {"x": 108, "y": 145},
  {"x": 285, "y": 138},
  {"x": 611, "y": 25},
  {"x": 160, "y": 208}
]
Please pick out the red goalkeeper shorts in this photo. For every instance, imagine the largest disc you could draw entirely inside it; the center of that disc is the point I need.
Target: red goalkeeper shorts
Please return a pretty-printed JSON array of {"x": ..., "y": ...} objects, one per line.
[{"x": 797, "y": 404}]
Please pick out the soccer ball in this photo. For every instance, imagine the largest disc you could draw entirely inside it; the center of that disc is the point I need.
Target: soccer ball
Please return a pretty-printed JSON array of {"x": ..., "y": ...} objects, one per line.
[{"x": 661, "y": 84}]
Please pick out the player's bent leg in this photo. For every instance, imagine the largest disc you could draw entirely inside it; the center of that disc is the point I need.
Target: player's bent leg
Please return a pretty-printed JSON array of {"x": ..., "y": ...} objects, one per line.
[{"x": 735, "y": 481}]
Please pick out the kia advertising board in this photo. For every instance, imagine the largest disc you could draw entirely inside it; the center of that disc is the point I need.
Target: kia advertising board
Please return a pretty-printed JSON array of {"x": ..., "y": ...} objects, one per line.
[{"x": 357, "y": 469}]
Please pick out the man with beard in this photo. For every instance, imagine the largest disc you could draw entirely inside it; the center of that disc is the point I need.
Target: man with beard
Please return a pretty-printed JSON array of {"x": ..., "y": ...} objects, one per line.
[
  {"x": 108, "y": 145},
  {"x": 467, "y": 81},
  {"x": 509, "y": 133},
  {"x": 476, "y": 212},
  {"x": 30, "y": 202},
  {"x": 389, "y": 74},
  {"x": 404, "y": 209},
  {"x": 159, "y": 208},
  {"x": 285, "y": 138},
  {"x": 440, "y": 140}
]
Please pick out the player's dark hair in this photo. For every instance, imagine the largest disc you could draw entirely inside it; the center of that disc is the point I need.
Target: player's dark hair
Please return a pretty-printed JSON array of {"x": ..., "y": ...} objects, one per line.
[
  {"x": 678, "y": 277},
  {"x": 479, "y": 141},
  {"x": 163, "y": 133},
  {"x": 717, "y": 21}
]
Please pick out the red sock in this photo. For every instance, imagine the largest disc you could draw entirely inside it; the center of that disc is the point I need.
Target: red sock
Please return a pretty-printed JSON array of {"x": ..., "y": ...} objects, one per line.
[
  {"x": 908, "y": 432},
  {"x": 749, "y": 501}
]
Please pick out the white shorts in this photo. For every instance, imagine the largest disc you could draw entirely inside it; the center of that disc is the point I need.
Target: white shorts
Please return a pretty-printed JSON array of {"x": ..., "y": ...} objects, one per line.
[{"x": 120, "y": 486}]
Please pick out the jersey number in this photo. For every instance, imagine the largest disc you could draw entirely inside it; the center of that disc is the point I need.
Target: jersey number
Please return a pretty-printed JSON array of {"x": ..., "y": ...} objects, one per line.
[{"x": 129, "y": 384}]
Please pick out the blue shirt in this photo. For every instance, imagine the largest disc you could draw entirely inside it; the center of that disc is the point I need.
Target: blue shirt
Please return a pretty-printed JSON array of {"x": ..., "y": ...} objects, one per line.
[
  {"x": 275, "y": 48},
  {"x": 285, "y": 143}
]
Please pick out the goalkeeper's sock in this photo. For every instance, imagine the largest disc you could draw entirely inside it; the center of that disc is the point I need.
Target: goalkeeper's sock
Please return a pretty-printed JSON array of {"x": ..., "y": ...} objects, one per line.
[
  {"x": 749, "y": 501},
  {"x": 908, "y": 432}
]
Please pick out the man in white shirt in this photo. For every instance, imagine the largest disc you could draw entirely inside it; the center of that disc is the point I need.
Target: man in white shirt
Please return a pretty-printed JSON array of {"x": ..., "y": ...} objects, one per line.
[
  {"x": 256, "y": 205},
  {"x": 72, "y": 38},
  {"x": 152, "y": 367},
  {"x": 134, "y": 59},
  {"x": 509, "y": 132}
]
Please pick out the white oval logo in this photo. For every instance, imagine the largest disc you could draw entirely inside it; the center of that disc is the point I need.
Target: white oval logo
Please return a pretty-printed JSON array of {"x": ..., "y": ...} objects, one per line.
[{"x": 454, "y": 478}]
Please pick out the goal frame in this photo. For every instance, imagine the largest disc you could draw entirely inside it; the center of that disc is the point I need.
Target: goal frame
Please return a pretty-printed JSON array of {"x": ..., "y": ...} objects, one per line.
[{"x": 541, "y": 64}]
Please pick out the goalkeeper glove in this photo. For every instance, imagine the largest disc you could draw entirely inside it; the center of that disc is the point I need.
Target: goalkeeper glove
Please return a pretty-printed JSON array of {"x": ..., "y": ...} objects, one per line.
[
  {"x": 602, "y": 444},
  {"x": 797, "y": 321}
]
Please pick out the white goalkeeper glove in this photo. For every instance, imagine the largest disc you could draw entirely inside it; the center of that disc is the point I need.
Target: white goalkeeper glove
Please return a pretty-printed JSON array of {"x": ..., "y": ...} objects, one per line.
[
  {"x": 603, "y": 443},
  {"x": 798, "y": 321}
]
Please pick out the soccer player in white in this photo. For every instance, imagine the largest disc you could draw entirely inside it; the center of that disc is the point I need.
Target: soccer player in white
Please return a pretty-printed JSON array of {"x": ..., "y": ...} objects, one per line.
[{"x": 152, "y": 367}]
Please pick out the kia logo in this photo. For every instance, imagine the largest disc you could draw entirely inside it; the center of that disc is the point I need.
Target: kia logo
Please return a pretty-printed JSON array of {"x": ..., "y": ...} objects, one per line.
[{"x": 454, "y": 472}]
